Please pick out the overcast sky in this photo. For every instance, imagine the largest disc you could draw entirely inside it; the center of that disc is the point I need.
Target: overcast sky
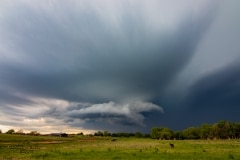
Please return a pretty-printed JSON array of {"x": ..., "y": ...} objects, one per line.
[{"x": 118, "y": 65}]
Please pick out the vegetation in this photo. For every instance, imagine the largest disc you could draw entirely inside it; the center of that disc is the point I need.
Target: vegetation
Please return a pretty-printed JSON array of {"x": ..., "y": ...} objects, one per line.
[
  {"x": 10, "y": 131},
  {"x": 208, "y": 141},
  {"x": 27, "y": 147},
  {"x": 220, "y": 130}
]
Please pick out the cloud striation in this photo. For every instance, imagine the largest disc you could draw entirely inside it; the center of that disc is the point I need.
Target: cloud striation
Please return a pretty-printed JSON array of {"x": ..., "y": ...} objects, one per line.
[{"x": 92, "y": 65}]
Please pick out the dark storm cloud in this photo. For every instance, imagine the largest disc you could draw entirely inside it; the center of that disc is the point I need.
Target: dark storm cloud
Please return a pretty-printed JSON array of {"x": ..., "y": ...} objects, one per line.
[
  {"x": 220, "y": 89},
  {"x": 93, "y": 62},
  {"x": 213, "y": 97},
  {"x": 94, "y": 65},
  {"x": 9, "y": 98}
]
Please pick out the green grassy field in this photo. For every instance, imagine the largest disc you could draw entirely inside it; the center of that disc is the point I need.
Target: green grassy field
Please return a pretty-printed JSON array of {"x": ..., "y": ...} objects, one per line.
[{"x": 16, "y": 147}]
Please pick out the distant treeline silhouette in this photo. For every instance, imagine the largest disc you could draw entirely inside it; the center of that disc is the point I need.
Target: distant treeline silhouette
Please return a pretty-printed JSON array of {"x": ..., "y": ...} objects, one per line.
[{"x": 221, "y": 130}]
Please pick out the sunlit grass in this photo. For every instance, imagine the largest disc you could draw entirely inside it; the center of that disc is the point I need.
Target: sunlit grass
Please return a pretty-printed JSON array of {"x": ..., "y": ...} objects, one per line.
[{"x": 83, "y": 147}]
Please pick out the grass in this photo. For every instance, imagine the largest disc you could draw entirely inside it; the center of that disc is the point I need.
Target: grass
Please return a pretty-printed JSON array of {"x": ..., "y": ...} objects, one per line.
[{"x": 16, "y": 147}]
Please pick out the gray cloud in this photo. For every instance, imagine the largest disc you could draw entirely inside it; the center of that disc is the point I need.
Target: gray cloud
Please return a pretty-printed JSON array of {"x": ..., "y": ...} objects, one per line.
[
  {"x": 108, "y": 63},
  {"x": 219, "y": 89},
  {"x": 95, "y": 58},
  {"x": 131, "y": 111},
  {"x": 212, "y": 97}
]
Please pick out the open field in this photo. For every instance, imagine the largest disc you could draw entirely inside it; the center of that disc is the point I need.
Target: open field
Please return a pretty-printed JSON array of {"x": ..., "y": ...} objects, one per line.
[{"x": 16, "y": 147}]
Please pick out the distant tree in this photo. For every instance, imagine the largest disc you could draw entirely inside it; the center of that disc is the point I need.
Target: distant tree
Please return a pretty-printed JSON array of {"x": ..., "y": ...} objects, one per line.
[
  {"x": 99, "y": 133},
  {"x": 81, "y": 133},
  {"x": 0, "y": 131},
  {"x": 131, "y": 134},
  {"x": 178, "y": 135},
  {"x": 191, "y": 133},
  {"x": 114, "y": 135},
  {"x": 10, "y": 131},
  {"x": 222, "y": 130},
  {"x": 138, "y": 135},
  {"x": 161, "y": 133},
  {"x": 166, "y": 133},
  {"x": 155, "y": 132},
  {"x": 205, "y": 131},
  {"x": 236, "y": 130},
  {"x": 34, "y": 133},
  {"x": 63, "y": 135},
  {"x": 20, "y": 131},
  {"x": 105, "y": 133},
  {"x": 146, "y": 135},
  {"x": 231, "y": 130},
  {"x": 123, "y": 134}
]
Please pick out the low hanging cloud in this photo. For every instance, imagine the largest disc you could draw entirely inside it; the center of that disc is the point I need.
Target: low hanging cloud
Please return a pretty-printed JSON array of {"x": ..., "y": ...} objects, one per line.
[
  {"x": 53, "y": 112},
  {"x": 111, "y": 59},
  {"x": 111, "y": 111}
]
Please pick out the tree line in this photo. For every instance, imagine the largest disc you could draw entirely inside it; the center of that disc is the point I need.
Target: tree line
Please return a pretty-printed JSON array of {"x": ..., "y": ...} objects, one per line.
[
  {"x": 20, "y": 132},
  {"x": 221, "y": 130},
  {"x": 121, "y": 134}
]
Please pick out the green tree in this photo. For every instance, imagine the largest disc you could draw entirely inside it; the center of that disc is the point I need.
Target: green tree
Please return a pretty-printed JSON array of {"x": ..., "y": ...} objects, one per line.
[
  {"x": 205, "y": 131},
  {"x": 34, "y": 133},
  {"x": 161, "y": 133},
  {"x": 166, "y": 133},
  {"x": 81, "y": 134},
  {"x": 236, "y": 130},
  {"x": 155, "y": 132},
  {"x": 20, "y": 131},
  {"x": 138, "y": 135},
  {"x": 99, "y": 133},
  {"x": 178, "y": 135},
  {"x": 191, "y": 133},
  {"x": 10, "y": 131},
  {"x": 105, "y": 133},
  {"x": 222, "y": 130}
]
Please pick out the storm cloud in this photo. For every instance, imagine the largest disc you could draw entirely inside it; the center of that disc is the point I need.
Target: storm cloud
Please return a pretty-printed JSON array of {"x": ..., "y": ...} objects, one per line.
[
  {"x": 217, "y": 93},
  {"x": 91, "y": 65}
]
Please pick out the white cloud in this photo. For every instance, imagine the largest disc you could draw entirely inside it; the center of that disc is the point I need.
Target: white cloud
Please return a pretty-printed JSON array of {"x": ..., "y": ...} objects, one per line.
[
  {"x": 130, "y": 110},
  {"x": 51, "y": 115}
]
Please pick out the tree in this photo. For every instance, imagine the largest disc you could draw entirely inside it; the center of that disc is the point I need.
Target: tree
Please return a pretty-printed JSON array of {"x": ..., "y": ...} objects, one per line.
[
  {"x": 191, "y": 133},
  {"x": 0, "y": 131},
  {"x": 155, "y": 132},
  {"x": 124, "y": 134},
  {"x": 114, "y": 135},
  {"x": 34, "y": 133},
  {"x": 222, "y": 130},
  {"x": 20, "y": 131},
  {"x": 99, "y": 133},
  {"x": 161, "y": 133},
  {"x": 178, "y": 135},
  {"x": 146, "y": 135},
  {"x": 105, "y": 133},
  {"x": 166, "y": 133},
  {"x": 236, "y": 130},
  {"x": 10, "y": 131},
  {"x": 81, "y": 133},
  {"x": 205, "y": 131},
  {"x": 138, "y": 135}
]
